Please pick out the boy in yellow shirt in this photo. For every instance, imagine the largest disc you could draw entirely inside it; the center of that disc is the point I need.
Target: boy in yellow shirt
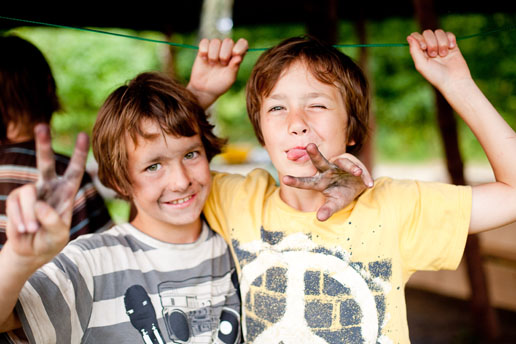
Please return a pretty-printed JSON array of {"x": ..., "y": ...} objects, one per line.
[{"x": 342, "y": 281}]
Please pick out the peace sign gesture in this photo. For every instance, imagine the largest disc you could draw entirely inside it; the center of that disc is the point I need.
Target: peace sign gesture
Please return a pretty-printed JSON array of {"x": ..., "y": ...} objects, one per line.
[
  {"x": 39, "y": 215},
  {"x": 341, "y": 181}
]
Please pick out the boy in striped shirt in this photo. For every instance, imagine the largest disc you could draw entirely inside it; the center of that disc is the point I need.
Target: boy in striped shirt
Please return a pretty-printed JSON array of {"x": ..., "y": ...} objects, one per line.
[
  {"x": 29, "y": 96},
  {"x": 165, "y": 277}
]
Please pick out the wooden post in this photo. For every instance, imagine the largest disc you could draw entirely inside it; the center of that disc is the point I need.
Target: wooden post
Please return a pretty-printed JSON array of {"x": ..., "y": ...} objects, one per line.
[
  {"x": 366, "y": 154},
  {"x": 321, "y": 19},
  {"x": 484, "y": 316},
  {"x": 169, "y": 59}
]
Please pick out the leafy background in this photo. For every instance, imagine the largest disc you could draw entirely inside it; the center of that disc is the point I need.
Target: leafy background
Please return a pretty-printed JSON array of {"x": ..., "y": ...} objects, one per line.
[{"x": 88, "y": 66}]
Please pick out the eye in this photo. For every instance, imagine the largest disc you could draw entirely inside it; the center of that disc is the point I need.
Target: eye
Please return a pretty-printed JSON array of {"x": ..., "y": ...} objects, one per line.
[
  {"x": 191, "y": 155},
  {"x": 276, "y": 108},
  {"x": 318, "y": 106},
  {"x": 153, "y": 167}
]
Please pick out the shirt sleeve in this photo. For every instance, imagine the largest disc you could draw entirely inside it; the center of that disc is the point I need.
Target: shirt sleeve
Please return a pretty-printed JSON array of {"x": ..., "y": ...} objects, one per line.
[
  {"x": 433, "y": 221},
  {"x": 55, "y": 304}
]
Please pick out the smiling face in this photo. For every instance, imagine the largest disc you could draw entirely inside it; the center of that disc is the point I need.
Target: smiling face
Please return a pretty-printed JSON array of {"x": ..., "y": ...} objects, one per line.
[
  {"x": 301, "y": 110},
  {"x": 170, "y": 180}
]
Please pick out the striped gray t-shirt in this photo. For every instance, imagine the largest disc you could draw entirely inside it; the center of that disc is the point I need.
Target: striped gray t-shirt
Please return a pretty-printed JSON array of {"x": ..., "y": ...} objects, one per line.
[{"x": 123, "y": 286}]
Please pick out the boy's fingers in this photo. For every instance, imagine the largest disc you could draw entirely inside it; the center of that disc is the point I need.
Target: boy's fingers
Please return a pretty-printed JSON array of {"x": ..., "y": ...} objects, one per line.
[
  {"x": 239, "y": 51},
  {"x": 442, "y": 42},
  {"x": 240, "y": 47},
  {"x": 348, "y": 166},
  {"x": 367, "y": 178},
  {"x": 77, "y": 164},
  {"x": 417, "y": 54},
  {"x": 13, "y": 212},
  {"x": 214, "y": 50},
  {"x": 235, "y": 62},
  {"x": 327, "y": 210},
  {"x": 452, "y": 40},
  {"x": 324, "y": 213},
  {"x": 419, "y": 39},
  {"x": 318, "y": 160},
  {"x": 203, "y": 48},
  {"x": 431, "y": 43},
  {"x": 44, "y": 155},
  {"x": 27, "y": 199},
  {"x": 306, "y": 183},
  {"x": 355, "y": 168},
  {"x": 226, "y": 50}
]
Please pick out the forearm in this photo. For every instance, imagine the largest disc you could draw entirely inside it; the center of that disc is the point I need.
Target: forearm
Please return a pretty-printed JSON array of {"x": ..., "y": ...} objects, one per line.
[
  {"x": 493, "y": 204},
  {"x": 495, "y": 136},
  {"x": 14, "y": 275},
  {"x": 437, "y": 57}
]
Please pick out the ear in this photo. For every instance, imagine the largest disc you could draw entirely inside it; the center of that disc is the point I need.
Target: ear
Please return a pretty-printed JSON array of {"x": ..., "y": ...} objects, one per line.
[{"x": 351, "y": 142}]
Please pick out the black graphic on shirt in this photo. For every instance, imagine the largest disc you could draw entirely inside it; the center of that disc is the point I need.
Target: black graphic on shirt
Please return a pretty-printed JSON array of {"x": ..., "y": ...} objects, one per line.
[
  {"x": 190, "y": 314},
  {"x": 194, "y": 310},
  {"x": 138, "y": 307}
]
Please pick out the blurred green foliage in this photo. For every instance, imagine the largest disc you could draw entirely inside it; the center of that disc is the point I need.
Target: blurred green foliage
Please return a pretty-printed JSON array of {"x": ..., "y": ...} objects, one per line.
[{"x": 88, "y": 66}]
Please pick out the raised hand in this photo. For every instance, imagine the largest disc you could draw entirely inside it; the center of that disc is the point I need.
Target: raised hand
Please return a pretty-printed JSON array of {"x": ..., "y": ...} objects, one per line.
[
  {"x": 341, "y": 180},
  {"x": 437, "y": 57},
  {"x": 39, "y": 215},
  {"x": 215, "y": 68}
]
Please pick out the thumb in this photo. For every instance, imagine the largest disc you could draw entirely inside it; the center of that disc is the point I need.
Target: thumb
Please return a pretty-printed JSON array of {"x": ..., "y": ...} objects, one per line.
[
  {"x": 417, "y": 53},
  {"x": 327, "y": 210},
  {"x": 235, "y": 62}
]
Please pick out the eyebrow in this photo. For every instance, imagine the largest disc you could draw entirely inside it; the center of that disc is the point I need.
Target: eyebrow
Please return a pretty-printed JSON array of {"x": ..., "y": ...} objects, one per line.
[
  {"x": 311, "y": 95},
  {"x": 316, "y": 95}
]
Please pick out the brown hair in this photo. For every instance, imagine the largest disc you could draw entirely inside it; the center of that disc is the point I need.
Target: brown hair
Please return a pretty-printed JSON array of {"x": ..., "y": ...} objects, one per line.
[
  {"x": 27, "y": 87},
  {"x": 154, "y": 97},
  {"x": 328, "y": 65}
]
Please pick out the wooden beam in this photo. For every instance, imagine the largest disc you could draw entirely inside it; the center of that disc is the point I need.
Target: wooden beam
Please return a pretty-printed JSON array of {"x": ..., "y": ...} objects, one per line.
[{"x": 483, "y": 314}]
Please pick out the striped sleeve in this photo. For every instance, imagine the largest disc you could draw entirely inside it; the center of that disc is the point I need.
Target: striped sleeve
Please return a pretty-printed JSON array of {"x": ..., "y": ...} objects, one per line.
[{"x": 55, "y": 304}]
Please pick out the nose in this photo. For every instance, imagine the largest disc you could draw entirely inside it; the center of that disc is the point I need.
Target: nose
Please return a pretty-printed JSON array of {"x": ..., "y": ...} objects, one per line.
[
  {"x": 180, "y": 179},
  {"x": 297, "y": 122}
]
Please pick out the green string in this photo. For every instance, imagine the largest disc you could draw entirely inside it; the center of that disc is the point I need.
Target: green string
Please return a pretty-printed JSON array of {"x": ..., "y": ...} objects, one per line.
[
  {"x": 188, "y": 46},
  {"x": 103, "y": 32}
]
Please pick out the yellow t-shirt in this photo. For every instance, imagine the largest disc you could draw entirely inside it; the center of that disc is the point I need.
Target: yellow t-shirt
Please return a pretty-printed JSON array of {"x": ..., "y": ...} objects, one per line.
[{"x": 342, "y": 280}]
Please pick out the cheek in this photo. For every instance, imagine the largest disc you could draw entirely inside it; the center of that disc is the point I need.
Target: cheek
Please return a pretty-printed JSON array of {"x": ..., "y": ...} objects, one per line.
[
  {"x": 267, "y": 145},
  {"x": 272, "y": 134},
  {"x": 269, "y": 125},
  {"x": 203, "y": 175}
]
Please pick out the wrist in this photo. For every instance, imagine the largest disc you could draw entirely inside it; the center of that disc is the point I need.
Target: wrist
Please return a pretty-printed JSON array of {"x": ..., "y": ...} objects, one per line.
[
  {"x": 204, "y": 98},
  {"x": 458, "y": 86},
  {"x": 14, "y": 264}
]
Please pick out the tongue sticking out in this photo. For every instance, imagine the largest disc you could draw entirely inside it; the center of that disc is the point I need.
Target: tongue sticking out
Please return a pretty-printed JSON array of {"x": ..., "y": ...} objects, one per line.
[{"x": 296, "y": 154}]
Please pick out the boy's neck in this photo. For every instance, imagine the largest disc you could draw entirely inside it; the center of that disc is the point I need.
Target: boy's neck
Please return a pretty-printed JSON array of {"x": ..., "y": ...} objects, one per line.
[
  {"x": 18, "y": 133},
  {"x": 186, "y": 234},
  {"x": 301, "y": 200}
]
